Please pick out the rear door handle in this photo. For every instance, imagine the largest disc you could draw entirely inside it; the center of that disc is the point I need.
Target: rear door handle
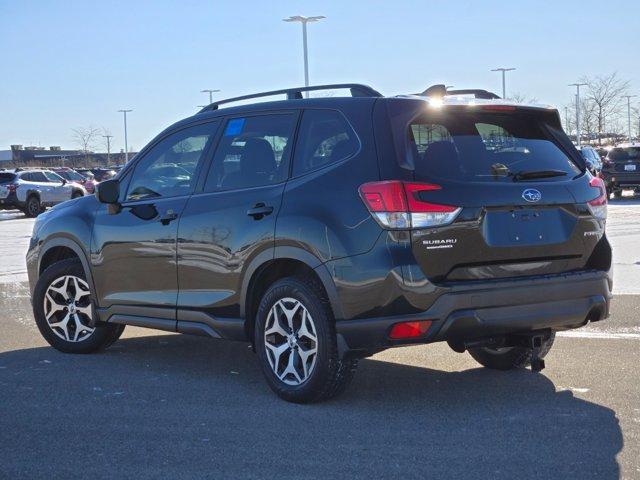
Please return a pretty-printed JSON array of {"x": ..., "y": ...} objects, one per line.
[
  {"x": 259, "y": 210},
  {"x": 168, "y": 217}
]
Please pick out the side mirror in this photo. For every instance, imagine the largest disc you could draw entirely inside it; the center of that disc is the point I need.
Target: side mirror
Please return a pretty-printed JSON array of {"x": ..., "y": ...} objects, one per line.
[
  {"x": 108, "y": 192},
  {"x": 64, "y": 181}
]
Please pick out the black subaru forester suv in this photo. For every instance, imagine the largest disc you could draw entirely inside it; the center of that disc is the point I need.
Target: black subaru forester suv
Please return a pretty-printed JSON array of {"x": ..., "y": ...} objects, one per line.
[{"x": 324, "y": 230}]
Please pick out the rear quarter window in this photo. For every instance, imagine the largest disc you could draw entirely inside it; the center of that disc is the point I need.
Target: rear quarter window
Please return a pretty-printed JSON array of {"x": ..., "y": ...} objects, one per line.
[
  {"x": 482, "y": 146},
  {"x": 7, "y": 177},
  {"x": 325, "y": 137}
]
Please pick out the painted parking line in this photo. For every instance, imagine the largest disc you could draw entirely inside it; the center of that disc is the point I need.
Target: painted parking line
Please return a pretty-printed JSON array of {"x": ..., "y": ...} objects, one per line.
[{"x": 599, "y": 335}]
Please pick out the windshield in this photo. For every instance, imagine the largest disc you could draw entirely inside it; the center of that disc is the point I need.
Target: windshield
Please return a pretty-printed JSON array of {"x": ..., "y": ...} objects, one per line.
[
  {"x": 622, "y": 154},
  {"x": 486, "y": 146},
  {"x": 71, "y": 175},
  {"x": 53, "y": 177}
]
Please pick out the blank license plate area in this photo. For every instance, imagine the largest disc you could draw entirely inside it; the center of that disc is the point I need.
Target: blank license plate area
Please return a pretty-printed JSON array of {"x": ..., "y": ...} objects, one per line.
[
  {"x": 630, "y": 168},
  {"x": 513, "y": 228}
]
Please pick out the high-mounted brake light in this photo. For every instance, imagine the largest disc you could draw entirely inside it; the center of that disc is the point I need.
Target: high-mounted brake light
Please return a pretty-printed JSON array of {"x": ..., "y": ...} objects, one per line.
[
  {"x": 397, "y": 205},
  {"x": 409, "y": 329},
  {"x": 499, "y": 108},
  {"x": 598, "y": 205}
]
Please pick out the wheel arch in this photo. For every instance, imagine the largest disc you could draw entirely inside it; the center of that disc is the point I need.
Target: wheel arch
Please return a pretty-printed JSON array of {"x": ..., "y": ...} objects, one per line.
[
  {"x": 60, "y": 248},
  {"x": 266, "y": 269}
]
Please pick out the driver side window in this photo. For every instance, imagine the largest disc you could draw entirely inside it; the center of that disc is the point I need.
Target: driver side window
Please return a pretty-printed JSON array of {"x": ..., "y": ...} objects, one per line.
[{"x": 169, "y": 168}]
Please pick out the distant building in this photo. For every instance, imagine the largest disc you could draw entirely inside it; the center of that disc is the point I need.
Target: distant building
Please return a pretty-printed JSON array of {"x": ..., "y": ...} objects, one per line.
[{"x": 56, "y": 156}]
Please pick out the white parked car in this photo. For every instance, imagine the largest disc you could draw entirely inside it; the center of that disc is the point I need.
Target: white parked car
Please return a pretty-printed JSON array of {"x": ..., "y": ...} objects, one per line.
[{"x": 35, "y": 189}]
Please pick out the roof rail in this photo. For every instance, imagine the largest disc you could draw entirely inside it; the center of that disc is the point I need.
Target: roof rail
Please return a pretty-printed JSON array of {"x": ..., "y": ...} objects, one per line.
[
  {"x": 357, "y": 90},
  {"x": 441, "y": 91}
]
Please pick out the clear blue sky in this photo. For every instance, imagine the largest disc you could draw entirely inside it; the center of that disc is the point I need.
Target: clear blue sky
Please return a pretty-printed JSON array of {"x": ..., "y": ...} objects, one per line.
[{"x": 68, "y": 63}]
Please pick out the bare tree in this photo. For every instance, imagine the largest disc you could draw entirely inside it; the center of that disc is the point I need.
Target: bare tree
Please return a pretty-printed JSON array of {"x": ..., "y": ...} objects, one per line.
[
  {"x": 606, "y": 94},
  {"x": 522, "y": 98},
  {"x": 86, "y": 138}
]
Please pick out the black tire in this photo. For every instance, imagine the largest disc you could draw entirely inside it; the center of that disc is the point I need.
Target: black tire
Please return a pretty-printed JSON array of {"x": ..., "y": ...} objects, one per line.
[
  {"x": 100, "y": 338},
  {"x": 329, "y": 375},
  {"x": 617, "y": 194},
  {"x": 509, "y": 358},
  {"x": 32, "y": 208}
]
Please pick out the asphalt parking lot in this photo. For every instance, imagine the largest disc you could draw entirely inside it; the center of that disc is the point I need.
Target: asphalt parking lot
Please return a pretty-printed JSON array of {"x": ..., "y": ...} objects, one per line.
[{"x": 162, "y": 405}]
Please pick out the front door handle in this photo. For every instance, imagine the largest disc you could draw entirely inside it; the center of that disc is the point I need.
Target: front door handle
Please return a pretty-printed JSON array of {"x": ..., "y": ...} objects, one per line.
[
  {"x": 168, "y": 217},
  {"x": 259, "y": 210}
]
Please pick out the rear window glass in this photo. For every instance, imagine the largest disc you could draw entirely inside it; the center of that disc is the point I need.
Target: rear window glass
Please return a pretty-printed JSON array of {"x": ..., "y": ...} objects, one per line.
[
  {"x": 7, "y": 177},
  {"x": 485, "y": 147},
  {"x": 622, "y": 154}
]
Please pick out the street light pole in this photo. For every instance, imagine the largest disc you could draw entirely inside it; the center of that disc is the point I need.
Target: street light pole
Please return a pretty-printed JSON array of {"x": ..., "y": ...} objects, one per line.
[
  {"x": 629, "y": 97},
  {"x": 503, "y": 70},
  {"x": 304, "y": 21},
  {"x": 108, "y": 137},
  {"x": 210, "y": 92},
  {"x": 126, "y": 145},
  {"x": 578, "y": 85}
]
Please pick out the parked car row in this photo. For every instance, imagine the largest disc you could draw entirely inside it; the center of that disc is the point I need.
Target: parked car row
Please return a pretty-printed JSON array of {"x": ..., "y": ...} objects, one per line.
[{"x": 34, "y": 189}]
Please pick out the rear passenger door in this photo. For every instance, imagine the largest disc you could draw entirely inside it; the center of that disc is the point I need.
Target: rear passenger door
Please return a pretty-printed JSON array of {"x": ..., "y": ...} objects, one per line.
[{"x": 231, "y": 219}]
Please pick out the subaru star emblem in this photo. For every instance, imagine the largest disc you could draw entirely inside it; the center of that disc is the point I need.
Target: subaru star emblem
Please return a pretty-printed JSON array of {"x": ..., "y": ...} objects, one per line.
[{"x": 532, "y": 195}]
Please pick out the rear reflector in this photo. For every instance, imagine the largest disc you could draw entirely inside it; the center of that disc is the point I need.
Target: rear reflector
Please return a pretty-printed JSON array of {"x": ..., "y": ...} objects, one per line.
[
  {"x": 598, "y": 205},
  {"x": 398, "y": 205},
  {"x": 409, "y": 329}
]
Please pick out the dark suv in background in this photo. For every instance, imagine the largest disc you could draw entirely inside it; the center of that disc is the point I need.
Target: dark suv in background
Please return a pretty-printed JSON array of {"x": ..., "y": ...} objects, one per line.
[
  {"x": 621, "y": 169},
  {"x": 324, "y": 230}
]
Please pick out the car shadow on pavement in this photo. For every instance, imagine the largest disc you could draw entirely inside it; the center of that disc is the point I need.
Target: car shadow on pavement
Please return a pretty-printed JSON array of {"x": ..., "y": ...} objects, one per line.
[{"x": 179, "y": 406}]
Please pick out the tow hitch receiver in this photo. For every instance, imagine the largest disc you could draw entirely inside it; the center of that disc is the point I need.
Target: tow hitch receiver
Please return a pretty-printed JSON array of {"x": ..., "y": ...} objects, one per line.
[{"x": 534, "y": 342}]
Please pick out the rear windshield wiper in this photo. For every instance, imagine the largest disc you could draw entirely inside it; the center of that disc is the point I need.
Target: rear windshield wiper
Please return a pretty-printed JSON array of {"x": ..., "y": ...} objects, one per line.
[{"x": 532, "y": 174}]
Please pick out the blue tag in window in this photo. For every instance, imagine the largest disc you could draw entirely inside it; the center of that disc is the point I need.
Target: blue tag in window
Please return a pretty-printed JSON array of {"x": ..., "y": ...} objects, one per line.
[{"x": 234, "y": 127}]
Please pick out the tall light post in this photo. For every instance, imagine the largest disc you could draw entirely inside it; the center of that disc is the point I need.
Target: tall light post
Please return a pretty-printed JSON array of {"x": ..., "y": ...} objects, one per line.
[
  {"x": 304, "y": 21},
  {"x": 108, "y": 137},
  {"x": 578, "y": 85},
  {"x": 629, "y": 97},
  {"x": 504, "y": 71},
  {"x": 126, "y": 145},
  {"x": 210, "y": 92}
]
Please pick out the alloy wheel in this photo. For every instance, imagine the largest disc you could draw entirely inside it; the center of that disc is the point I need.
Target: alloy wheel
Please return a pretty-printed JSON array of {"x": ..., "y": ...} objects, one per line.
[
  {"x": 291, "y": 341},
  {"x": 33, "y": 207},
  {"x": 67, "y": 308}
]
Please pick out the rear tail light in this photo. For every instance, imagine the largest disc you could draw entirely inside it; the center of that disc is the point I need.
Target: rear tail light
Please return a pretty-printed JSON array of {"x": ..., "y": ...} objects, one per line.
[
  {"x": 12, "y": 187},
  {"x": 397, "y": 205},
  {"x": 409, "y": 329},
  {"x": 598, "y": 205}
]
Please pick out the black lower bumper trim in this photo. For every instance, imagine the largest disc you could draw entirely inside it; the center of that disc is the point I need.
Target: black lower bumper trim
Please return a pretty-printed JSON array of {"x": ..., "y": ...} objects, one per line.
[{"x": 557, "y": 303}]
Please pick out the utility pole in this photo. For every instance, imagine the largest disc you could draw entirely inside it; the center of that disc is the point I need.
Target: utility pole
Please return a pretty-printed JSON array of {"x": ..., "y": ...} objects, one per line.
[
  {"x": 629, "y": 97},
  {"x": 577, "y": 85},
  {"x": 503, "y": 70},
  {"x": 304, "y": 21},
  {"x": 126, "y": 145},
  {"x": 210, "y": 92},
  {"x": 108, "y": 137}
]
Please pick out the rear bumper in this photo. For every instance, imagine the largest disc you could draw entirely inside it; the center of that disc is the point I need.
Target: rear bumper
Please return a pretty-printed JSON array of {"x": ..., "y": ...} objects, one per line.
[
  {"x": 556, "y": 302},
  {"x": 621, "y": 179},
  {"x": 11, "y": 202}
]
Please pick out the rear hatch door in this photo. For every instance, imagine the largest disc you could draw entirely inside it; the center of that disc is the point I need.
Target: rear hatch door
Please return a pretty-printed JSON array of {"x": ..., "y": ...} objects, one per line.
[{"x": 522, "y": 192}]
